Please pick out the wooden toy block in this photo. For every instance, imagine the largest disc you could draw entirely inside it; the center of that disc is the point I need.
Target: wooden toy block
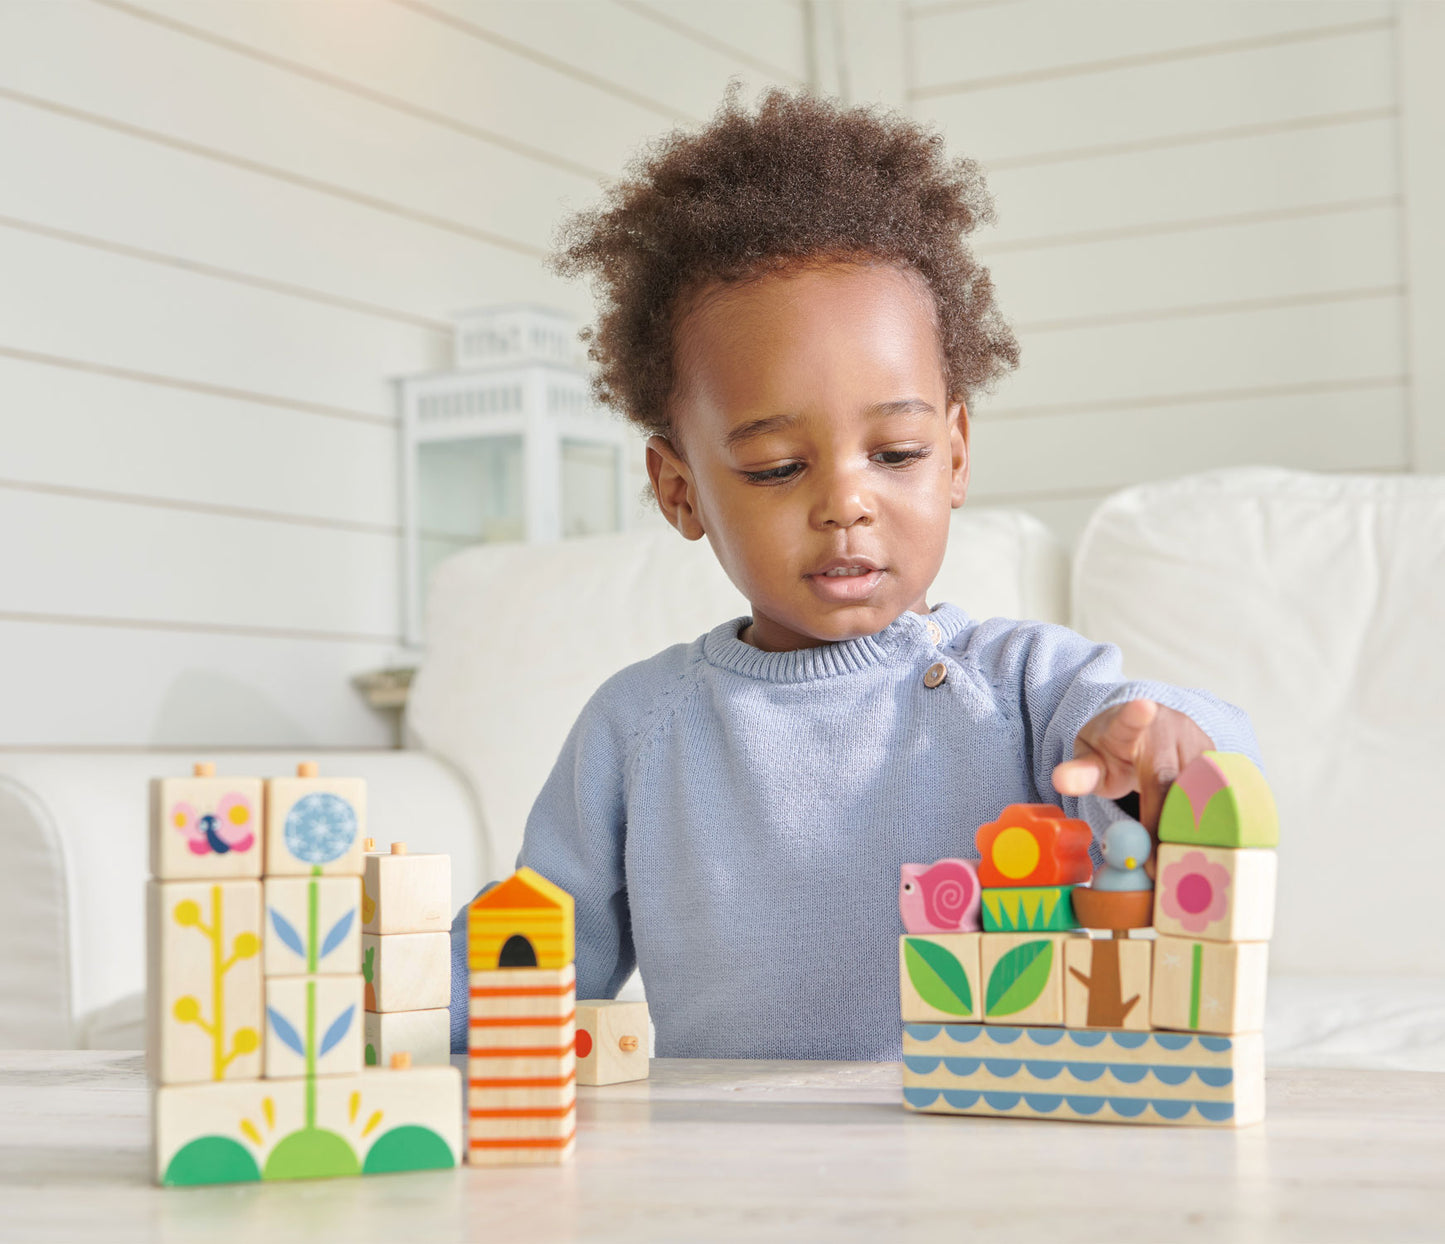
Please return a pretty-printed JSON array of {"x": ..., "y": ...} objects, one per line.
[
  {"x": 1091, "y": 1075},
  {"x": 1023, "y": 977},
  {"x": 939, "y": 898},
  {"x": 1017, "y": 909},
  {"x": 407, "y": 971},
  {"x": 524, "y": 922},
  {"x": 938, "y": 977},
  {"x": 1217, "y": 893},
  {"x": 612, "y": 1042},
  {"x": 405, "y": 893},
  {"x": 1034, "y": 844},
  {"x": 1220, "y": 800},
  {"x": 425, "y": 1035},
  {"x": 203, "y": 984},
  {"x": 1107, "y": 982},
  {"x": 374, "y": 1122},
  {"x": 1215, "y": 987},
  {"x": 313, "y": 925},
  {"x": 314, "y": 825},
  {"x": 313, "y": 1026},
  {"x": 204, "y": 826}
]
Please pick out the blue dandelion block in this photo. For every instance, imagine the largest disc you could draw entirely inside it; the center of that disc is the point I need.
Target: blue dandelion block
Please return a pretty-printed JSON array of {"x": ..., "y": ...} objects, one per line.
[{"x": 320, "y": 828}]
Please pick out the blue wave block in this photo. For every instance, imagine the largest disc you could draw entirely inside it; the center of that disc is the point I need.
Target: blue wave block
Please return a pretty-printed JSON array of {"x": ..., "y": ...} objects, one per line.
[
  {"x": 1045, "y": 1036},
  {"x": 921, "y": 1064},
  {"x": 1002, "y": 1101},
  {"x": 1004, "y": 1068},
  {"x": 1085, "y": 1105},
  {"x": 1086, "y": 1071},
  {"x": 962, "y": 1033},
  {"x": 1172, "y": 1109},
  {"x": 961, "y": 1099},
  {"x": 1216, "y": 1045},
  {"x": 1216, "y": 1111},
  {"x": 1004, "y": 1036},
  {"x": 1173, "y": 1040},
  {"x": 1087, "y": 1037},
  {"x": 1130, "y": 1040},
  {"x": 1044, "y": 1103},
  {"x": 1172, "y": 1076},
  {"x": 1041, "y": 1070},
  {"x": 920, "y": 1098},
  {"x": 1215, "y": 1077},
  {"x": 962, "y": 1066},
  {"x": 922, "y": 1032},
  {"x": 1129, "y": 1107},
  {"x": 1130, "y": 1073}
]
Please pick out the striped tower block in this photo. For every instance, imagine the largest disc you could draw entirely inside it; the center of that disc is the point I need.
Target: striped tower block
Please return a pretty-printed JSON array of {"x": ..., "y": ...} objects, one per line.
[{"x": 522, "y": 1075}]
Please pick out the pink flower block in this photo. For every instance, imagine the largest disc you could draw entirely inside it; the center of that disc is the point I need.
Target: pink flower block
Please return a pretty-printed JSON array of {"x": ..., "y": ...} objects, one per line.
[{"x": 1219, "y": 894}]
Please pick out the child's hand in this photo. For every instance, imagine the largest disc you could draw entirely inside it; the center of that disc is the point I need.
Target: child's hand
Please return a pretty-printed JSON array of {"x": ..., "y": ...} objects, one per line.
[{"x": 1138, "y": 745}]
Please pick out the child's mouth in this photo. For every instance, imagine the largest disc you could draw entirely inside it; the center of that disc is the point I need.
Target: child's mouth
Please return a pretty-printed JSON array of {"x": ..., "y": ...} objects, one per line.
[{"x": 845, "y": 583}]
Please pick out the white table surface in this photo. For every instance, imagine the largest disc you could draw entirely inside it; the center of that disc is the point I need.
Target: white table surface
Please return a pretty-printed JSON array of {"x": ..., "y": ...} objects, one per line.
[{"x": 744, "y": 1151}]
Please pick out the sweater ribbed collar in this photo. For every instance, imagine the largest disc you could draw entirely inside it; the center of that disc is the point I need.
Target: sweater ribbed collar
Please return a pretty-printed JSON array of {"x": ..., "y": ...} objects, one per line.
[{"x": 722, "y": 647}]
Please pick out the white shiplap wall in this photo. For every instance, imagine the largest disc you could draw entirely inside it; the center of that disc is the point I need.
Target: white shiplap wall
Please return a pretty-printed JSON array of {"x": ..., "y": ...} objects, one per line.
[
  {"x": 1198, "y": 238},
  {"x": 224, "y": 226}
]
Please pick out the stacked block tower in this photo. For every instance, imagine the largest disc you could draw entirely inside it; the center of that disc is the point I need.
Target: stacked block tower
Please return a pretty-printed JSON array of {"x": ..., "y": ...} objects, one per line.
[
  {"x": 522, "y": 1060},
  {"x": 1031, "y": 1016},
  {"x": 255, "y": 992},
  {"x": 406, "y": 957}
]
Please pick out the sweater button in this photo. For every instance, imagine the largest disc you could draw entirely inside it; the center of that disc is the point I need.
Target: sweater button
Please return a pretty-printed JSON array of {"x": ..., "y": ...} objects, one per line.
[
  {"x": 935, "y": 674},
  {"x": 935, "y": 632}
]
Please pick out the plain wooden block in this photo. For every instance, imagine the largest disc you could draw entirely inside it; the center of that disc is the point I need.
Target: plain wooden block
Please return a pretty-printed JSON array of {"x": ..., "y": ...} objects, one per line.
[
  {"x": 1216, "y": 893},
  {"x": 425, "y": 1035},
  {"x": 373, "y": 1122},
  {"x": 1023, "y": 977},
  {"x": 203, "y": 980},
  {"x": 1107, "y": 982},
  {"x": 204, "y": 827},
  {"x": 938, "y": 977},
  {"x": 612, "y": 1041},
  {"x": 315, "y": 823},
  {"x": 406, "y": 893},
  {"x": 313, "y": 1022},
  {"x": 313, "y": 925},
  {"x": 1215, "y": 987},
  {"x": 523, "y": 922},
  {"x": 407, "y": 971},
  {"x": 1093, "y": 1075}
]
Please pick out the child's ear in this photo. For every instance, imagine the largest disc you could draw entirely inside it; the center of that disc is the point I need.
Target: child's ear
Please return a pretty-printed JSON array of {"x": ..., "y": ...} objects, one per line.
[
  {"x": 672, "y": 485},
  {"x": 962, "y": 459}
]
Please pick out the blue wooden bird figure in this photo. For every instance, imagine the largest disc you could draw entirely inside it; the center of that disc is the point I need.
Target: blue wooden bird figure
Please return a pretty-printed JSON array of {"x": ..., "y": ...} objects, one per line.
[{"x": 1126, "y": 848}]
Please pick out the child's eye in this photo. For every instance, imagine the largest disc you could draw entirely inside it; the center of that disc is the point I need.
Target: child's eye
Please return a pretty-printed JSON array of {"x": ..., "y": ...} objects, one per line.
[
  {"x": 773, "y": 475},
  {"x": 899, "y": 457}
]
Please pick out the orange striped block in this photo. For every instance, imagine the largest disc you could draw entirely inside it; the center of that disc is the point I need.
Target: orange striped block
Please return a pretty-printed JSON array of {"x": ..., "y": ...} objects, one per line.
[{"x": 522, "y": 1065}]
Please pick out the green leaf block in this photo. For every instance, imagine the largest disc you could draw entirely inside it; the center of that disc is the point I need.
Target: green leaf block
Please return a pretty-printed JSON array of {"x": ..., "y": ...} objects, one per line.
[
  {"x": 938, "y": 977},
  {"x": 1029, "y": 909},
  {"x": 1019, "y": 978}
]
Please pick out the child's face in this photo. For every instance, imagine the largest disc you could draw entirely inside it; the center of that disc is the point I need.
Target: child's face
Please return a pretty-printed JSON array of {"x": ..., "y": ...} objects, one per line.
[{"x": 815, "y": 434}]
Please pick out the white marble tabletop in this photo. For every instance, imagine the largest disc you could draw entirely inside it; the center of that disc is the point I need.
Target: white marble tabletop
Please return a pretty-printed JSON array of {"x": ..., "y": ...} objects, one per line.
[{"x": 744, "y": 1151}]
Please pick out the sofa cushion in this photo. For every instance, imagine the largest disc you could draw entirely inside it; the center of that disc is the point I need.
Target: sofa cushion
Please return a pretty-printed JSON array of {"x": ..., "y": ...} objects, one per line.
[
  {"x": 520, "y": 635},
  {"x": 1317, "y": 604}
]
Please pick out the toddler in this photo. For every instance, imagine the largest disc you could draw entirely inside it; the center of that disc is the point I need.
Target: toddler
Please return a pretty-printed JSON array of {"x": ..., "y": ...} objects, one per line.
[{"x": 789, "y": 309}]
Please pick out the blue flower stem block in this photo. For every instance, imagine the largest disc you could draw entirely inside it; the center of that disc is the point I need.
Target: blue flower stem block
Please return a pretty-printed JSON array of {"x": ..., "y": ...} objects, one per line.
[
  {"x": 315, "y": 826},
  {"x": 313, "y": 1026},
  {"x": 293, "y": 906}
]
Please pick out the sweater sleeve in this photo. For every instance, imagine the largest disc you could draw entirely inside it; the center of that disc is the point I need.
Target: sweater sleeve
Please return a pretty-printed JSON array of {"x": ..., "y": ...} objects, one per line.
[
  {"x": 1067, "y": 679},
  {"x": 575, "y": 837}
]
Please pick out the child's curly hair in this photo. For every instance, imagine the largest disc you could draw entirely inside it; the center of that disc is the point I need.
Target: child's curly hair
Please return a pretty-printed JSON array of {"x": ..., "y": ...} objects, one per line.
[{"x": 804, "y": 181}]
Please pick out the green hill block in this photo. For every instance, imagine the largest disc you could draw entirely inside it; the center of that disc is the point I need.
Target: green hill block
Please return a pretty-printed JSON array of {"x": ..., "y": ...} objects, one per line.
[
  {"x": 1220, "y": 800},
  {"x": 1029, "y": 909}
]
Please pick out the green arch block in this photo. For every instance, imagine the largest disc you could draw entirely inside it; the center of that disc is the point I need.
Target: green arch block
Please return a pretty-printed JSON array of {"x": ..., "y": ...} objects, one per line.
[
  {"x": 212, "y": 1160},
  {"x": 409, "y": 1148}
]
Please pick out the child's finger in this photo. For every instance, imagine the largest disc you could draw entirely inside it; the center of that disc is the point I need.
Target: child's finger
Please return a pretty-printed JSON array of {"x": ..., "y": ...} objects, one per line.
[
  {"x": 1080, "y": 775},
  {"x": 1127, "y": 726},
  {"x": 1154, "y": 784}
]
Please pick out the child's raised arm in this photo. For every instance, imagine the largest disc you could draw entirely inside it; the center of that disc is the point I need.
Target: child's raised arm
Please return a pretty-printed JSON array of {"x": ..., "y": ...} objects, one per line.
[{"x": 575, "y": 837}]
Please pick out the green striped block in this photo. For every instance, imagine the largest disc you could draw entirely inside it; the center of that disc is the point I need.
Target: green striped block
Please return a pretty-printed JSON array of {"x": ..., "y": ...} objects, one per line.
[{"x": 1029, "y": 909}]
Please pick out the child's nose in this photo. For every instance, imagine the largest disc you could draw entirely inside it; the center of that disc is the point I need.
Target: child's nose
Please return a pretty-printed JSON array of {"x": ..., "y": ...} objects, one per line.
[{"x": 842, "y": 501}]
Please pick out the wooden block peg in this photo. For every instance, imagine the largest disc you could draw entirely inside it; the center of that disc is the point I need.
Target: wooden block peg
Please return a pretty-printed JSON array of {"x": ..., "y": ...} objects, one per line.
[
  {"x": 1034, "y": 844},
  {"x": 205, "y": 826},
  {"x": 401, "y": 1060},
  {"x": 407, "y": 971},
  {"x": 938, "y": 978},
  {"x": 405, "y": 893},
  {"x": 1107, "y": 982},
  {"x": 204, "y": 768},
  {"x": 398, "y": 848},
  {"x": 1216, "y": 893},
  {"x": 368, "y": 844},
  {"x": 203, "y": 985},
  {"x": 306, "y": 769},
  {"x": 612, "y": 1041}
]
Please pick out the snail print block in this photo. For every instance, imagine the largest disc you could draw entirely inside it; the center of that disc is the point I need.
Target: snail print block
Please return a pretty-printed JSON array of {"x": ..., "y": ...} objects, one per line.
[
  {"x": 1215, "y": 893},
  {"x": 939, "y": 898}
]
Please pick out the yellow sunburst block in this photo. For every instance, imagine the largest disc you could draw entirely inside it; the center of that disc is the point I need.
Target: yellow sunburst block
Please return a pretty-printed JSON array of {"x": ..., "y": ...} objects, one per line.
[
  {"x": 1018, "y": 909},
  {"x": 523, "y": 922}
]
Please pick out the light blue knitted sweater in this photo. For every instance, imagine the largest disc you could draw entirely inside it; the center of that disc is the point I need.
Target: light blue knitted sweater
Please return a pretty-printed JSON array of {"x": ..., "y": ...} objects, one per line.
[{"x": 732, "y": 821}]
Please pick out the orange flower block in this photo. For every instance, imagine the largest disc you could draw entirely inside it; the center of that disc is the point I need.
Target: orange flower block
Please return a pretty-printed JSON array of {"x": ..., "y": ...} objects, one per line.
[{"x": 1034, "y": 844}]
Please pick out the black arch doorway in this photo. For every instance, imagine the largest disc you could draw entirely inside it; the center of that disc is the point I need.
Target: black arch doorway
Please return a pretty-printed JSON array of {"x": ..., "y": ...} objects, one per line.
[{"x": 517, "y": 952}]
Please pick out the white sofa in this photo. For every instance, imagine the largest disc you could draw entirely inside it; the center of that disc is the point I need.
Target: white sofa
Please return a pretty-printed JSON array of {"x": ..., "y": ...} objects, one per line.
[{"x": 1315, "y": 602}]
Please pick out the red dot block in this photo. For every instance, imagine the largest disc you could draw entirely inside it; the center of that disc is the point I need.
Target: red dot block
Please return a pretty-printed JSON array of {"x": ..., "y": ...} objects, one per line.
[
  {"x": 584, "y": 1043},
  {"x": 1033, "y": 844}
]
